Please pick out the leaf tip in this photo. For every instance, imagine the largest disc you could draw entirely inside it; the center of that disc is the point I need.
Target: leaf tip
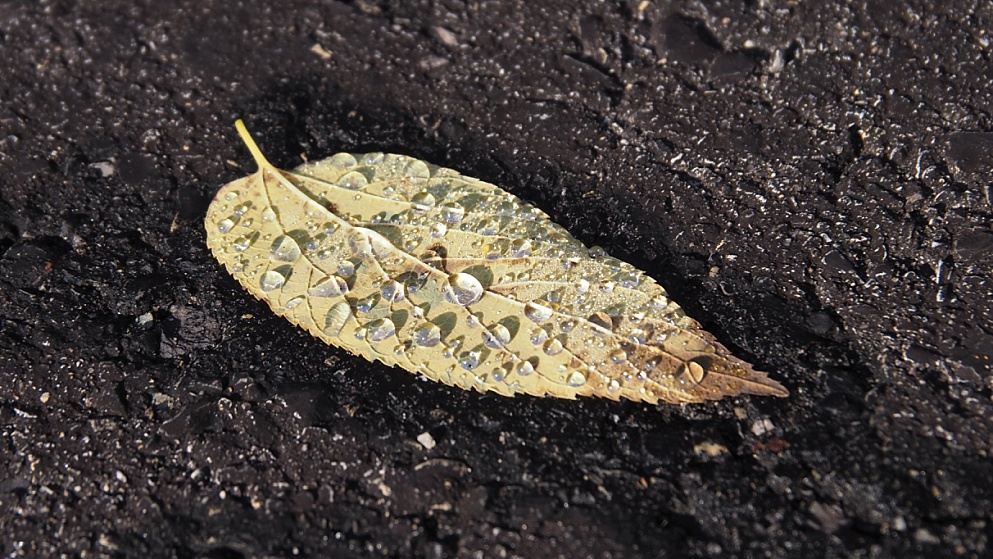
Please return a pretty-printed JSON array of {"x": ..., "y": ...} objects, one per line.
[{"x": 246, "y": 137}]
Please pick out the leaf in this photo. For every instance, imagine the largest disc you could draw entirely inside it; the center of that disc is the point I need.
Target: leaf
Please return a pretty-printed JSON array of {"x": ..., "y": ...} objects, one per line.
[{"x": 455, "y": 279}]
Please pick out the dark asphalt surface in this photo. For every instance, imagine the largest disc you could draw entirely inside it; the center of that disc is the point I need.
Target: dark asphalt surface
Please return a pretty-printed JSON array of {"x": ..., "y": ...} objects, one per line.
[{"x": 810, "y": 180}]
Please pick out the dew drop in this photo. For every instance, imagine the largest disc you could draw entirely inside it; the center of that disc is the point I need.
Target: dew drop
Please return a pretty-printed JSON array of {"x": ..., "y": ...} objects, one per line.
[
  {"x": 379, "y": 330},
  {"x": 581, "y": 285},
  {"x": 242, "y": 243},
  {"x": 417, "y": 169},
  {"x": 552, "y": 347},
  {"x": 469, "y": 360},
  {"x": 613, "y": 386},
  {"x": 691, "y": 373},
  {"x": 240, "y": 209},
  {"x": 602, "y": 320},
  {"x": 618, "y": 356},
  {"x": 520, "y": 248},
  {"x": 331, "y": 286},
  {"x": 375, "y": 158},
  {"x": 659, "y": 302},
  {"x": 464, "y": 289},
  {"x": 343, "y": 160},
  {"x": 336, "y": 318},
  {"x": 638, "y": 336},
  {"x": 496, "y": 336},
  {"x": 346, "y": 269},
  {"x": 422, "y": 202},
  {"x": 268, "y": 215},
  {"x": 295, "y": 302},
  {"x": 538, "y": 336},
  {"x": 576, "y": 379},
  {"x": 224, "y": 225},
  {"x": 452, "y": 213},
  {"x": 567, "y": 326},
  {"x": 606, "y": 286},
  {"x": 284, "y": 249},
  {"x": 366, "y": 304},
  {"x": 438, "y": 230},
  {"x": 427, "y": 335},
  {"x": 392, "y": 291},
  {"x": 271, "y": 280},
  {"x": 537, "y": 313},
  {"x": 353, "y": 180}
]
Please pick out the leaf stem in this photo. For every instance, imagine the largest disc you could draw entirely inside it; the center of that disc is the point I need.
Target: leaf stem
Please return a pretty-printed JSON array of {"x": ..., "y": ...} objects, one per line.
[{"x": 260, "y": 159}]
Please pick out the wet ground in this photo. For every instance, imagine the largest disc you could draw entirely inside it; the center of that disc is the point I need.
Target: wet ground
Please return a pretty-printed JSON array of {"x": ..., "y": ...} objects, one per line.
[{"x": 812, "y": 181}]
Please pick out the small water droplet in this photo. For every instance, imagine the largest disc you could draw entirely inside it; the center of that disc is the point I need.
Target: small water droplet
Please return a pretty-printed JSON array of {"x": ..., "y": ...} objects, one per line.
[
  {"x": 373, "y": 159},
  {"x": 537, "y": 313},
  {"x": 427, "y": 335},
  {"x": 691, "y": 373},
  {"x": 438, "y": 230},
  {"x": 496, "y": 336},
  {"x": 638, "y": 336},
  {"x": 242, "y": 243},
  {"x": 353, "y": 180},
  {"x": 613, "y": 386},
  {"x": 552, "y": 347},
  {"x": 606, "y": 286},
  {"x": 240, "y": 209},
  {"x": 231, "y": 195},
  {"x": 268, "y": 215},
  {"x": 520, "y": 248},
  {"x": 417, "y": 169},
  {"x": 659, "y": 302},
  {"x": 271, "y": 280},
  {"x": 567, "y": 326},
  {"x": 596, "y": 252},
  {"x": 366, "y": 304},
  {"x": 469, "y": 360},
  {"x": 538, "y": 336},
  {"x": 331, "y": 286},
  {"x": 284, "y": 249},
  {"x": 452, "y": 213},
  {"x": 581, "y": 285},
  {"x": 295, "y": 302},
  {"x": 379, "y": 330},
  {"x": 346, "y": 269},
  {"x": 527, "y": 367},
  {"x": 224, "y": 226},
  {"x": 618, "y": 356}
]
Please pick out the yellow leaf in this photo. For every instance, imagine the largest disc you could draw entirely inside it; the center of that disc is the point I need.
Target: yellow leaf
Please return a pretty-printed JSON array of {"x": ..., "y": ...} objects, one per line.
[{"x": 452, "y": 278}]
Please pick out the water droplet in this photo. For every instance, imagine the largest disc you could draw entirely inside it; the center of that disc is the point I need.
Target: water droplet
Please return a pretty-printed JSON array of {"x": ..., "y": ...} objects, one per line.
[
  {"x": 366, "y": 304},
  {"x": 552, "y": 347},
  {"x": 379, "y": 330},
  {"x": 576, "y": 379},
  {"x": 567, "y": 326},
  {"x": 271, "y": 280},
  {"x": 659, "y": 302},
  {"x": 628, "y": 279},
  {"x": 537, "y": 313},
  {"x": 464, "y": 289},
  {"x": 242, "y": 243},
  {"x": 336, "y": 318},
  {"x": 613, "y": 386},
  {"x": 601, "y": 320},
  {"x": 496, "y": 336},
  {"x": 268, "y": 215},
  {"x": 527, "y": 367},
  {"x": 427, "y": 335},
  {"x": 392, "y": 291},
  {"x": 538, "y": 336},
  {"x": 596, "y": 252},
  {"x": 346, "y": 269},
  {"x": 618, "y": 356},
  {"x": 240, "y": 209},
  {"x": 520, "y": 248},
  {"x": 581, "y": 285},
  {"x": 422, "y": 202},
  {"x": 224, "y": 225},
  {"x": 606, "y": 286},
  {"x": 353, "y": 180},
  {"x": 570, "y": 263},
  {"x": 231, "y": 195},
  {"x": 452, "y": 213},
  {"x": 331, "y": 286},
  {"x": 284, "y": 249},
  {"x": 498, "y": 374},
  {"x": 295, "y": 302},
  {"x": 343, "y": 160},
  {"x": 374, "y": 158},
  {"x": 691, "y": 373},
  {"x": 417, "y": 169},
  {"x": 469, "y": 360},
  {"x": 438, "y": 230}
]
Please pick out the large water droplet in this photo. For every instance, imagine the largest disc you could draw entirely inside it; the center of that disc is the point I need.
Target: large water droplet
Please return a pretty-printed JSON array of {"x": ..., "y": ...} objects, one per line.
[
  {"x": 417, "y": 169},
  {"x": 353, "y": 180},
  {"x": 691, "y": 373},
  {"x": 602, "y": 320},
  {"x": 346, "y": 269},
  {"x": 366, "y": 304},
  {"x": 464, "y": 289},
  {"x": 336, "y": 318},
  {"x": 537, "y": 313},
  {"x": 427, "y": 335},
  {"x": 343, "y": 160},
  {"x": 422, "y": 202},
  {"x": 331, "y": 286},
  {"x": 520, "y": 248},
  {"x": 374, "y": 158},
  {"x": 496, "y": 336},
  {"x": 268, "y": 215},
  {"x": 271, "y": 280},
  {"x": 539, "y": 336},
  {"x": 452, "y": 213},
  {"x": 527, "y": 367},
  {"x": 392, "y": 291},
  {"x": 224, "y": 225},
  {"x": 618, "y": 356},
  {"x": 284, "y": 249},
  {"x": 379, "y": 330}
]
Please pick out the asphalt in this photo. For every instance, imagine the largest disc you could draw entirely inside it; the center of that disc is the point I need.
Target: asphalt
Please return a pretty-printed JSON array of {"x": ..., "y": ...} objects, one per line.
[{"x": 810, "y": 180}]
